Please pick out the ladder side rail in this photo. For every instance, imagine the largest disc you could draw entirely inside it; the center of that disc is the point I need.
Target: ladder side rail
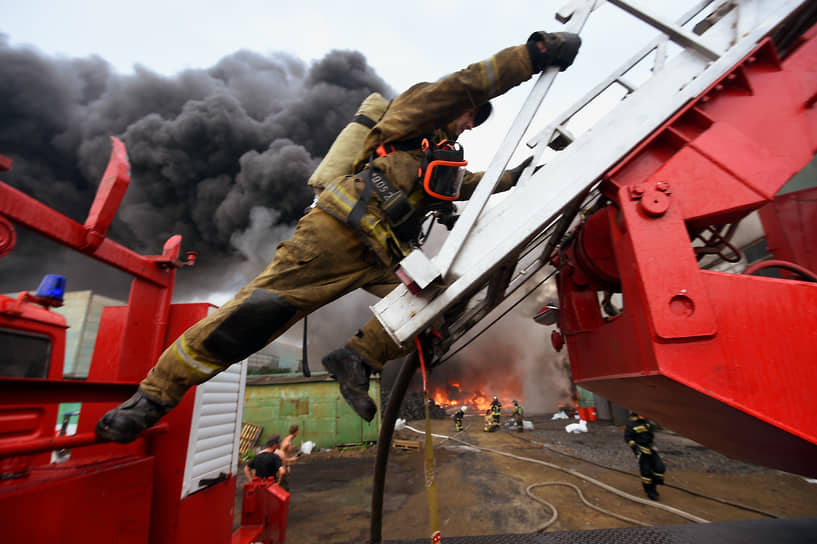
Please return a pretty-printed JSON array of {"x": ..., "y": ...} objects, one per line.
[
  {"x": 503, "y": 229},
  {"x": 462, "y": 336},
  {"x": 558, "y": 123},
  {"x": 658, "y": 43},
  {"x": 484, "y": 298},
  {"x": 530, "y": 261},
  {"x": 745, "y": 17},
  {"x": 451, "y": 247},
  {"x": 676, "y": 33}
]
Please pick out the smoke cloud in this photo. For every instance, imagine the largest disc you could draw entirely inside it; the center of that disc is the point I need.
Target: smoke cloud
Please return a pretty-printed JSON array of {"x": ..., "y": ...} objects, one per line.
[{"x": 220, "y": 156}]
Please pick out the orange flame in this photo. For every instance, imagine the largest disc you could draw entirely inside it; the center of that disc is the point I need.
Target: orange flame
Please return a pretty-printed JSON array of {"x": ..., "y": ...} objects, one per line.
[{"x": 450, "y": 395}]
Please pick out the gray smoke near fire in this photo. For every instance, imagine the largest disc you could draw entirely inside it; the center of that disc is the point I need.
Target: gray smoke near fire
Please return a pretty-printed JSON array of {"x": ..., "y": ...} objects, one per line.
[
  {"x": 511, "y": 356},
  {"x": 512, "y": 360},
  {"x": 219, "y": 155}
]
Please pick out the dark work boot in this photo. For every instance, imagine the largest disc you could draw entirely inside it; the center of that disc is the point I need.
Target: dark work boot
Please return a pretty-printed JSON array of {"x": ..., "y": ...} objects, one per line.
[
  {"x": 126, "y": 422},
  {"x": 651, "y": 492},
  {"x": 352, "y": 373}
]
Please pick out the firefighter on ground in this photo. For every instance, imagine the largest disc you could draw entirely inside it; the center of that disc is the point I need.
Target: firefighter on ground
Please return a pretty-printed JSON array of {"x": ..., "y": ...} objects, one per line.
[
  {"x": 639, "y": 436},
  {"x": 458, "y": 417},
  {"x": 517, "y": 415},
  {"x": 360, "y": 228},
  {"x": 490, "y": 424},
  {"x": 496, "y": 410}
]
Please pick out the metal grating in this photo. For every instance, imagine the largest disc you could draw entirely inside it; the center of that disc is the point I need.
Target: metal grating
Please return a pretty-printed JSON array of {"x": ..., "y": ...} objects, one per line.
[
  {"x": 215, "y": 431},
  {"x": 779, "y": 531}
]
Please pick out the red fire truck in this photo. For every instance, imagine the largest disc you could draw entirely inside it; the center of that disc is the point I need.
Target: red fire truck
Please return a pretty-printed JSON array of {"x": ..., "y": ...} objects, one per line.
[{"x": 175, "y": 484}]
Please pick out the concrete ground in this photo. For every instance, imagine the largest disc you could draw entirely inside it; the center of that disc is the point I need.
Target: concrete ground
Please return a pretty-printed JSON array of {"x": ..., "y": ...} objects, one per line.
[{"x": 484, "y": 492}]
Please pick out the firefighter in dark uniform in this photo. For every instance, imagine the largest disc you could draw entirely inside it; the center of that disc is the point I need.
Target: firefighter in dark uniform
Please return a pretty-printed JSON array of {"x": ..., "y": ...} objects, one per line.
[
  {"x": 459, "y": 415},
  {"x": 353, "y": 238},
  {"x": 517, "y": 415},
  {"x": 639, "y": 436},
  {"x": 496, "y": 411}
]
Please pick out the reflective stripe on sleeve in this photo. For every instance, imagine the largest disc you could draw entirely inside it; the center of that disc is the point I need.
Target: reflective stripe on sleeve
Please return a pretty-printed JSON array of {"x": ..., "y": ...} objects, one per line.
[
  {"x": 490, "y": 70},
  {"x": 200, "y": 367}
]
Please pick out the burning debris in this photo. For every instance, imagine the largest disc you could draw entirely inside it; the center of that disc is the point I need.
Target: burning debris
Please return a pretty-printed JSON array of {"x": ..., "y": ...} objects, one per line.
[
  {"x": 413, "y": 407},
  {"x": 477, "y": 399}
]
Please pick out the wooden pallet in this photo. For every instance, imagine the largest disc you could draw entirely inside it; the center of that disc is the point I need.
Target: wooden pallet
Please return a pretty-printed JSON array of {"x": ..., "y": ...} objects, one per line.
[
  {"x": 408, "y": 445},
  {"x": 249, "y": 436}
]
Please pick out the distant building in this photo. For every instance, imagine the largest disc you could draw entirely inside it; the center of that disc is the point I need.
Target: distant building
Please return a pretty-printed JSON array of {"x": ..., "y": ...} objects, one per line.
[
  {"x": 279, "y": 357},
  {"x": 82, "y": 311}
]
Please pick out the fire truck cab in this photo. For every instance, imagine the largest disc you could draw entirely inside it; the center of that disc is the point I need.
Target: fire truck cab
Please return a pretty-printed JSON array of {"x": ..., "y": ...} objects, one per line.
[{"x": 177, "y": 482}]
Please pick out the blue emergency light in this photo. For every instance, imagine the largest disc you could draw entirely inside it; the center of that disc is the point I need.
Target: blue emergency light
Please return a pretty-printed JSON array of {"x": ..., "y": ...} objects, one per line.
[{"x": 52, "y": 287}]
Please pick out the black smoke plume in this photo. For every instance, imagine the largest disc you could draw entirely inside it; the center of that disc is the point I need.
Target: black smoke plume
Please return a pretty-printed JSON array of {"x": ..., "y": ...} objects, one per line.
[{"x": 219, "y": 155}]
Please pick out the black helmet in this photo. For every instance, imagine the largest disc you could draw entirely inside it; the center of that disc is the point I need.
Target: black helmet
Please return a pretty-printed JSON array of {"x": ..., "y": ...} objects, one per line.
[{"x": 482, "y": 113}]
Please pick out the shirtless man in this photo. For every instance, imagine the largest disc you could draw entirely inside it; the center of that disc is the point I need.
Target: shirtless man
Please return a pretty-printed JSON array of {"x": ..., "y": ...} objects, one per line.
[{"x": 288, "y": 454}]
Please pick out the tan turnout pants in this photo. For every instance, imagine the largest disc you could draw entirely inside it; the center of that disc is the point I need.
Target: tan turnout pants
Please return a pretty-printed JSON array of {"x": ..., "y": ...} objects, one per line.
[{"x": 324, "y": 260}]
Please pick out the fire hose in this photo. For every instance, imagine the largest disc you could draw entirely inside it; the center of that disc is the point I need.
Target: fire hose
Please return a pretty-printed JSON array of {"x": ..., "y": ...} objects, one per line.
[
  {"x": 616, "y": 491},
  {"x": 398, "y": 392},
  {"x": 679, "y": 488}
]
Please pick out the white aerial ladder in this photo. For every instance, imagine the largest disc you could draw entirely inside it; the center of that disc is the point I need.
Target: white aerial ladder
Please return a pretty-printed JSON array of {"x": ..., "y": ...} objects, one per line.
[{"x": 492, "y": 251}]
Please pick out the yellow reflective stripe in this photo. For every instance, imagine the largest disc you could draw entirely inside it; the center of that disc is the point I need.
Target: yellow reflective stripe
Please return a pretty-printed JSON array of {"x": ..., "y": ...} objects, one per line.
[
  {"x": 646, "y": 480},
  {"x": 201, "y": 367},
  {"x": 643, "y": 449},
  {"x": 490, "y": 70},
  {"x": 342, "y": 198},
  {"x": 640, "y": 428},
  {"x": 345, "y": 202}
]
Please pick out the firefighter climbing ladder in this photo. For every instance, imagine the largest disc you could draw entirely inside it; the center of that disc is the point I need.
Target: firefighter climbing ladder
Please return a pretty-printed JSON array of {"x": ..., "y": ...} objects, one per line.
[{"x": 494, "y": 250}]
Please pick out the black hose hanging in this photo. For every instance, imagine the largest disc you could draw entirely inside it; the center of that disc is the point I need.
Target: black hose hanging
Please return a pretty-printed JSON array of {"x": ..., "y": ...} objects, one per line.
[
  {"x": 398, "y": 392},
  {"x": 304, "y": 359}
]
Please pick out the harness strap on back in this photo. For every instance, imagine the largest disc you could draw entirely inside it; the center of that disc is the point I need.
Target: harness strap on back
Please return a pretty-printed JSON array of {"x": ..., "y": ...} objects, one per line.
[
  {"x": 403, "y": 145},
  {"x": 367, "y": 122},
  {"x": 354, "y": 217},
  {"x": 395, "y": 204}
]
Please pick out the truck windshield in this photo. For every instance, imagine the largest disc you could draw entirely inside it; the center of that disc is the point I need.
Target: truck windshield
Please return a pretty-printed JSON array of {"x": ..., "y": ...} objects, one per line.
[{"x": 24, "y": 355}]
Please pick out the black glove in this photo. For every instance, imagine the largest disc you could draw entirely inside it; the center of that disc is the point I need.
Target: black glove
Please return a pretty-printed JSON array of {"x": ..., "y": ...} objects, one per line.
[
  {"x": 517, "y": 171},
  {"x": 560, "y": 49},
  {"x": 636, "y": 451}
]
